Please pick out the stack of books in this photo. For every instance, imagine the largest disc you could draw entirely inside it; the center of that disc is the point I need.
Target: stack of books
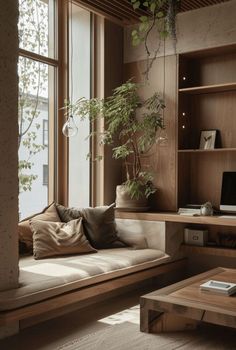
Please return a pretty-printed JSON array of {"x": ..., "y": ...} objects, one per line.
[
  {"x": 190, "y": 210},
  {"x": 226, "y": 288}
]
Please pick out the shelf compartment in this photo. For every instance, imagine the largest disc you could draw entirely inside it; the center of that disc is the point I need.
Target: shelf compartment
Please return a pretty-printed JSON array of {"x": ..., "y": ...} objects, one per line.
[
  {"x": 174, "y": 217},
  {"x": 207, "y": 150},
  {"x": 209, "y": 89},
  {"x": 216, "y": 251}
]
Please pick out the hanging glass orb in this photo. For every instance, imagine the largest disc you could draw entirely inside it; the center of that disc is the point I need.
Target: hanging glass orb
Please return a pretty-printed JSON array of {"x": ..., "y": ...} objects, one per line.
[{"x": 70, "y": 128}]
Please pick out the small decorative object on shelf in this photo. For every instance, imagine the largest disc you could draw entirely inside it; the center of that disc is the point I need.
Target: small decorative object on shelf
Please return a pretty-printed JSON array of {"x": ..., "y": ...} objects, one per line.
[
  {"x": 208, "y": 139},
  {"x": 206, "y": 209}
]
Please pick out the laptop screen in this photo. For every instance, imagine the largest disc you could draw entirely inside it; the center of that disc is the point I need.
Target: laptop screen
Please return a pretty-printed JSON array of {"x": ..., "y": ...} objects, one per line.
[{"x": 228, "y": 189}]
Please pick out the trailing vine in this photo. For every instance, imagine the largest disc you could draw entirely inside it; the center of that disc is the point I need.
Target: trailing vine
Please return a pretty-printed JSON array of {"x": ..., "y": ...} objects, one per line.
[{"x": 161, "y": 17}]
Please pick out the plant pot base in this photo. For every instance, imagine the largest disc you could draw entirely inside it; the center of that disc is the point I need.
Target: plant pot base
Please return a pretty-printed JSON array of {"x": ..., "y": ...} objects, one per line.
[{"x": 125, "y": 203}]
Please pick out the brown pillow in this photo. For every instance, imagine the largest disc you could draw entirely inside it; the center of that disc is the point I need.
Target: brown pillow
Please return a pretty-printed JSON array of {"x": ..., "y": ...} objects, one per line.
[
  {"x": 100, "y": 227},
  {"x": 25, "y": 234},
  {"x": 68, "y": 214},
  {"x": 58, "y": 238}
]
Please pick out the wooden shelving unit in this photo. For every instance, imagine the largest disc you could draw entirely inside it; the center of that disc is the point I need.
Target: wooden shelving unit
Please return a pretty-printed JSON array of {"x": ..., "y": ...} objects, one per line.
[
  {"x": 174, "y": 217},
  {"x": 216, "y": 251},
  {"x": 206, "y": 101},
  {"x": 207, "y": 150},
  {"x": 208, "y": 89}
]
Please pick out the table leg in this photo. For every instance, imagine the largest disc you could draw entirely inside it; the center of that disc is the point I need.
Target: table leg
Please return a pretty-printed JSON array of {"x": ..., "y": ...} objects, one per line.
[{"x": 147, "y": 317}]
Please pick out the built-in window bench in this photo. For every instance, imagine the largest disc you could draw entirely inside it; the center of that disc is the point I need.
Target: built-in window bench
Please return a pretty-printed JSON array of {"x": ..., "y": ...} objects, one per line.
[{"x": 50, "y": 287}]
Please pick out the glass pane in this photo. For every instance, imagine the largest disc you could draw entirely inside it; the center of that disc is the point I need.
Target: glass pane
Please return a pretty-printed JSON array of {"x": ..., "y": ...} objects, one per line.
[
  {"x": 36, "y": 103},
  {"x": 80, "y": 52},
  {"x": 36, "y": 26}
]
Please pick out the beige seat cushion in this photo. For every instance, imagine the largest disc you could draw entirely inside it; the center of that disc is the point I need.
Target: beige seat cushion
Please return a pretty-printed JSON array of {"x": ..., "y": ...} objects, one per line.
[
  {"x": 25, "y": 234},
  {"x": 59, "y": 238},
  {"x": 42, "y": 279}
]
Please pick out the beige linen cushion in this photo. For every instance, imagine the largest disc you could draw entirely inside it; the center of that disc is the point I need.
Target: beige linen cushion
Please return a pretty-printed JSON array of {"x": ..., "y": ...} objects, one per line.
[
  {"x": 58, "y": 238},
  {"x": 135, "y": 241},
  {"x": 25, "y": 234}
]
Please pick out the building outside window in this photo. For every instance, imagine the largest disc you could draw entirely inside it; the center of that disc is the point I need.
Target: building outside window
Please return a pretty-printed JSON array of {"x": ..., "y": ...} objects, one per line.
[
  {"x": 45, "y": 132},
  {"x": 45, "y": 174}
]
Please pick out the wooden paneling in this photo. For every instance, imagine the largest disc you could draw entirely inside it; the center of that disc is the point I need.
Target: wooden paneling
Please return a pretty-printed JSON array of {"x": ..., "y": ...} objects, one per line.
[
  {"x": 122, "y": 10},
  {"x": 226, "y": 252},
  {"x": 162, "y": 159},
  {"x": 113, "y": 77}
]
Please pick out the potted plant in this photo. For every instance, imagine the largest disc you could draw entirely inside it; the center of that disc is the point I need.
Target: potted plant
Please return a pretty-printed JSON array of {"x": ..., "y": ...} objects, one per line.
[{"x": 131, "y": 130}]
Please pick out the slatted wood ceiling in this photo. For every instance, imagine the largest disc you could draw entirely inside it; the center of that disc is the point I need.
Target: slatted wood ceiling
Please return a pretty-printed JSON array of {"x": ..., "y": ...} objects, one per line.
[{"x": 122, "y": 10}]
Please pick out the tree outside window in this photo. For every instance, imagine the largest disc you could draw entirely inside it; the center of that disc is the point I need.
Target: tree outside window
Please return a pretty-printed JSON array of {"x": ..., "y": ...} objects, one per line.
[{"x": 36, "y": 84}]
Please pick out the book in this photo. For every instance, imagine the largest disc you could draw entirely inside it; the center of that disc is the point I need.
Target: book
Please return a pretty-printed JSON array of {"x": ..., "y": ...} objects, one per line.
[
  {"x": 226, "y": 288},
  {"x": 189, "y": 211}
]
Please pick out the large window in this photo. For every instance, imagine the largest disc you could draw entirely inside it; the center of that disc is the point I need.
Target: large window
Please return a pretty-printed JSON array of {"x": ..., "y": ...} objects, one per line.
[
  {"x": 80, "y": 86},
  {"x": 37, "y": 69}
]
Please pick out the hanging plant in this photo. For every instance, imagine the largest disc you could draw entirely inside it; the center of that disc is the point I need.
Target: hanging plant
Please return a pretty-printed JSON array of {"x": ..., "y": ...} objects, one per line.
[{"x": 160, "y": 17}]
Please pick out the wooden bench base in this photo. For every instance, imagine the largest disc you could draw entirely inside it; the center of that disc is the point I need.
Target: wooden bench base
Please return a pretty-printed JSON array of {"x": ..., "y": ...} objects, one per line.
[{"x": 84, "y": 296}]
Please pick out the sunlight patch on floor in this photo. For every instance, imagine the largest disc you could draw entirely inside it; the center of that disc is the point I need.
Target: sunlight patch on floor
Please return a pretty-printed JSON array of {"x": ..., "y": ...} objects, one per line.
[{"x": 128, "y": 315}]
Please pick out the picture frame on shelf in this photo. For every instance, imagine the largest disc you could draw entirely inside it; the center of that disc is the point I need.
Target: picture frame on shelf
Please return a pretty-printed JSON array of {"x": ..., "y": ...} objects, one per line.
[{"x": 208, "y": 139}]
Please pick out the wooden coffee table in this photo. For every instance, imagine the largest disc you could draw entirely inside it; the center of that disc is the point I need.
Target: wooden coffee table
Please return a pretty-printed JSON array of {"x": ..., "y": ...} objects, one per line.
[{"x": 182, "y": 305}]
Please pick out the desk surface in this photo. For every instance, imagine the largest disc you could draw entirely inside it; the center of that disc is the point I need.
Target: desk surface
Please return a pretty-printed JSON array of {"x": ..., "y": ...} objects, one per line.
[{"x": 174, "y": 217}]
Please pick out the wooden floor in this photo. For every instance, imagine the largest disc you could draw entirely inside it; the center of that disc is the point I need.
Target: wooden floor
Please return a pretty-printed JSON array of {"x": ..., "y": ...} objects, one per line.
[{"x": 52, "y": 334}]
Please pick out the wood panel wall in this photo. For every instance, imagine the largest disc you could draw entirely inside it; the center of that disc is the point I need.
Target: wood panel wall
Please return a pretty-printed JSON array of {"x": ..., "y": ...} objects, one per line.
[{"x": 162, "y": 159}]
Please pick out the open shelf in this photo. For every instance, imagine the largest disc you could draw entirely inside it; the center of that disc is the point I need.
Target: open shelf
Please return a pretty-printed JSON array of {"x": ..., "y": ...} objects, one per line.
[
  {"x": 174, "y": 217},
  {"x": 207, "y": 150},
  {"x": 216, "y": 251},
  {"x": 208, "y": 89},
  {"x": 206, "y": 101}
]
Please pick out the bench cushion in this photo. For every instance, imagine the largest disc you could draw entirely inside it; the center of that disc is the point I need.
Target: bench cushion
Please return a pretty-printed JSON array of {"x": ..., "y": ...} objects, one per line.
[{"x": 42, "y": 279}]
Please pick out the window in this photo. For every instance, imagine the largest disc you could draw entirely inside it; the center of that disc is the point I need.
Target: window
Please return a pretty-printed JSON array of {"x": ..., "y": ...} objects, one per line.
[
  {"x": 80, "y": 86},
  {"x": 45, "y": 132},
  {"x": 45, "y": 175},
  {"x": 37, "y": 69}
]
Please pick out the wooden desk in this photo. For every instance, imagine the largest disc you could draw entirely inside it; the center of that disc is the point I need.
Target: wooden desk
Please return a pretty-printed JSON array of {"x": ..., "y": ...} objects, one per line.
[
  {"x": 180, "y": 305},
  {"x": 174, "y": 217}
]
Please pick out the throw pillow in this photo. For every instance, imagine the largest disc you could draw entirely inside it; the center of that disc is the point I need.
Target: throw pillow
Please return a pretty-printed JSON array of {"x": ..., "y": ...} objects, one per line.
[
  {"x": 68, "y": 214},
  {"x": 25, "y": 234},
  {"x": 100, "y": 227},
  {"x": 58, "y": 238}
]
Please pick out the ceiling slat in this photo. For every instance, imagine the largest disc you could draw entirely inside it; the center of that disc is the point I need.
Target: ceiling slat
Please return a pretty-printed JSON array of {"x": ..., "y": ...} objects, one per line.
[{"x": 122, "y": 10}]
